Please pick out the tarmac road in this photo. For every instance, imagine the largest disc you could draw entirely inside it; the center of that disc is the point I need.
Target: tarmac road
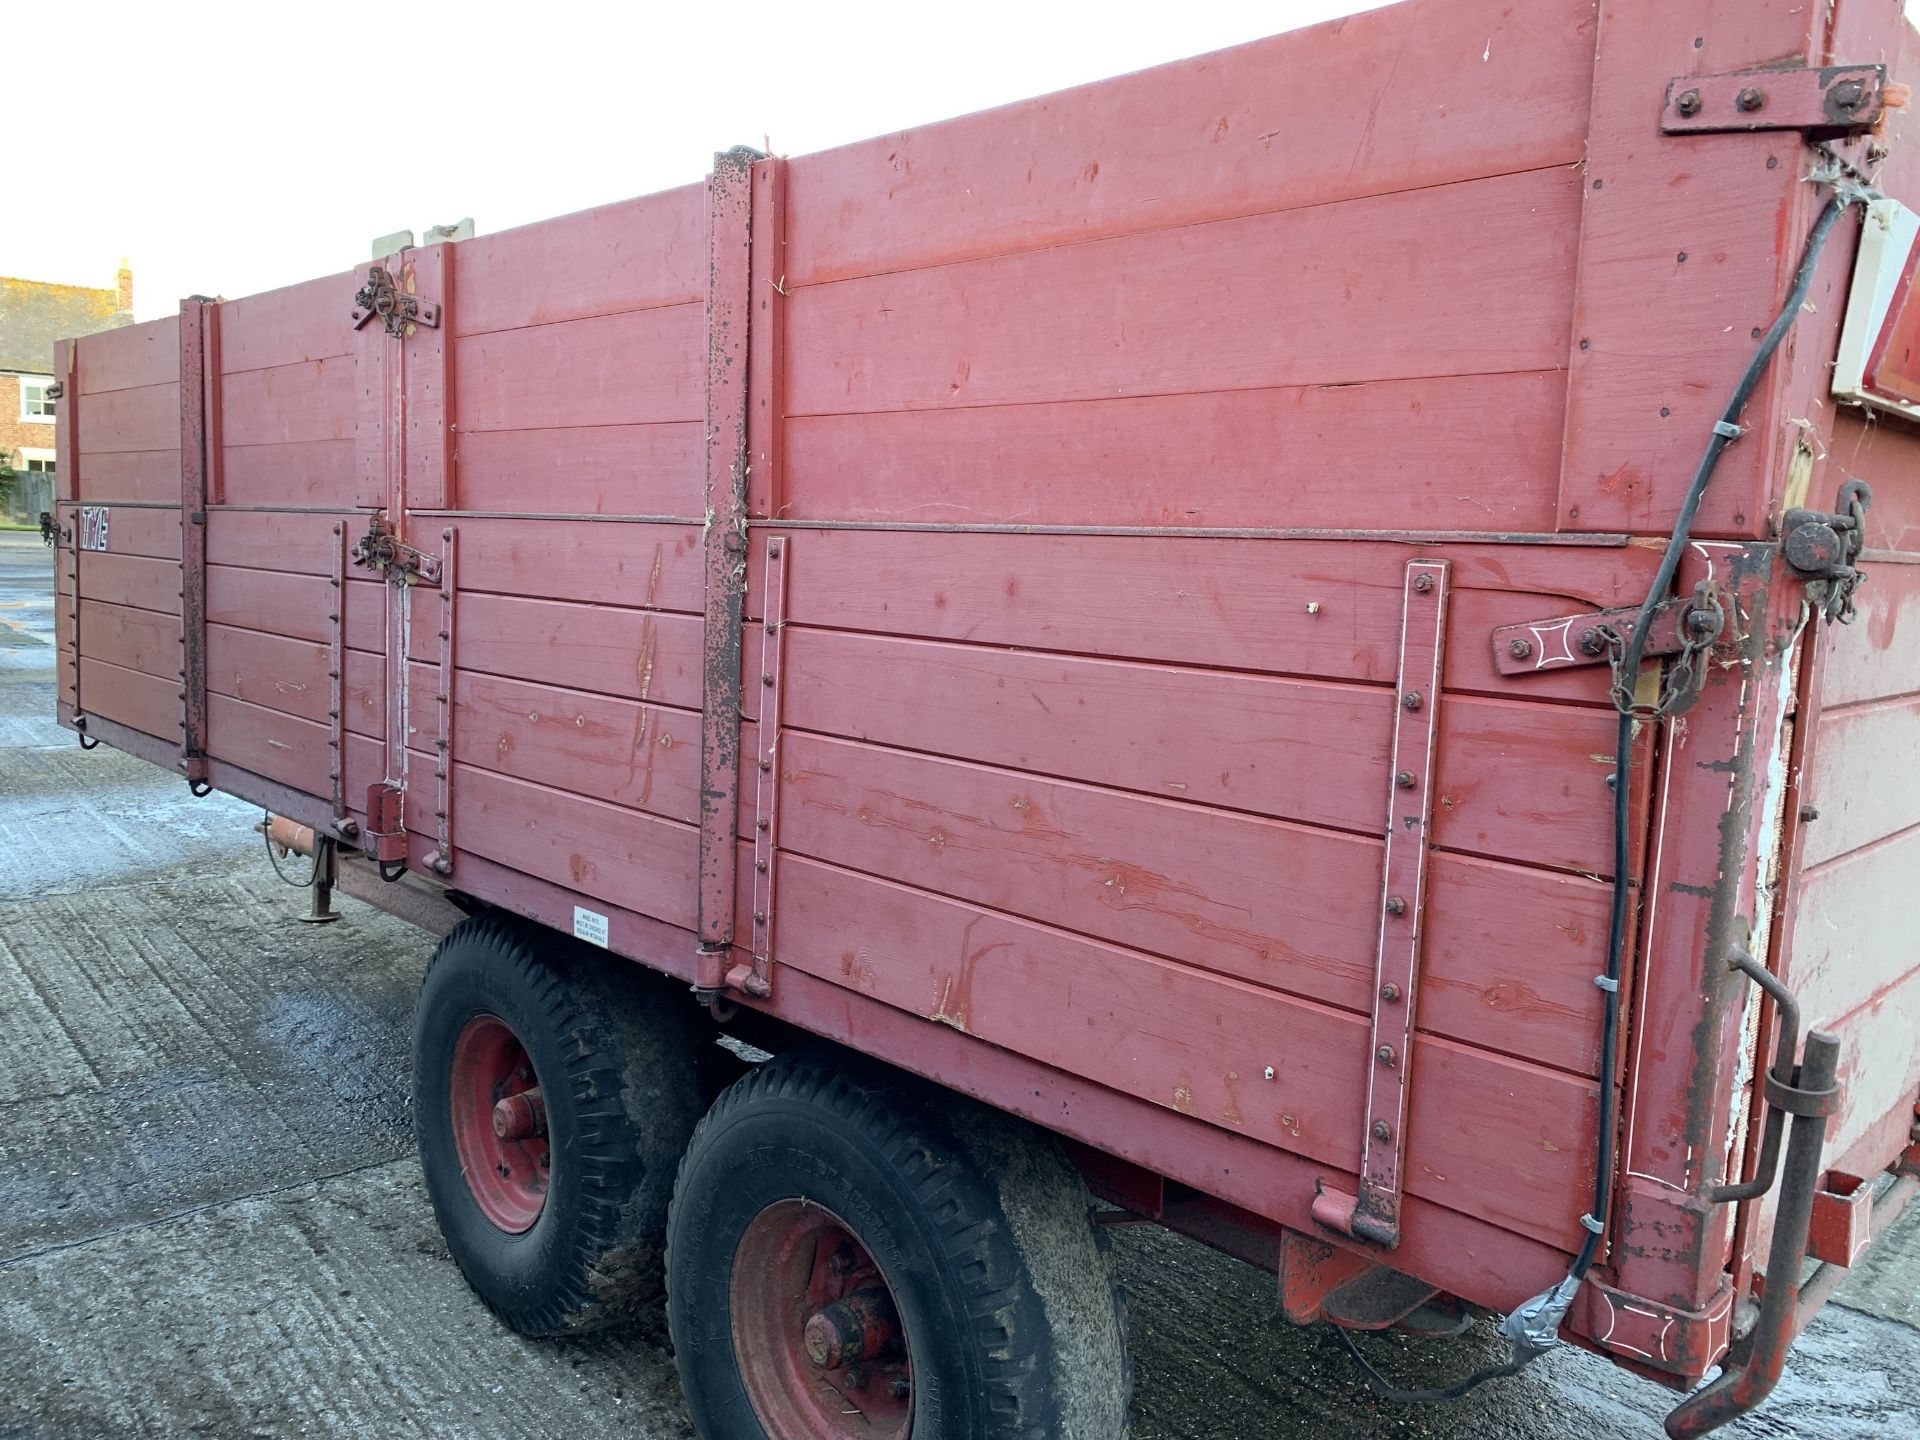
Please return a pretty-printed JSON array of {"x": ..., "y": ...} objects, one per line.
[{"x": 212, "y": 1222}]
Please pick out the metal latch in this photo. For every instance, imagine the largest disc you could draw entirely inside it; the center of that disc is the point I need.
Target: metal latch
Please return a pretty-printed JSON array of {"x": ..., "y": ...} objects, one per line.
[
  {"x": 1826, "y": 102},
  {"x": 380, "y": 549},
  {"x": 381, "y": 297},
  {"x": 1822, "y": 546},
  {"x": 1678, "y": 626}
]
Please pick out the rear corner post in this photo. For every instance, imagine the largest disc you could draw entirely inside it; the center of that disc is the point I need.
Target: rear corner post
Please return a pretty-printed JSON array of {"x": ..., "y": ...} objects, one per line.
[
  {"x": 728, "y": 305},
  {"x": 199, "y": 374}
]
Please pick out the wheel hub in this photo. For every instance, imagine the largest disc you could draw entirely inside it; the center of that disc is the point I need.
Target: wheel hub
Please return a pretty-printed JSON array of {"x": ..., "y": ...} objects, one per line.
[
  {"x": 816, "y": 1330},
  {"x": 499, "y": 1124}
]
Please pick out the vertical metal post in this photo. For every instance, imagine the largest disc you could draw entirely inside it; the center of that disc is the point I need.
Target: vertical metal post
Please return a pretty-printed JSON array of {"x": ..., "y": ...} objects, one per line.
[
  {"x": 445, "y": 699},
  {"x": 1374, "y": 1213},
  {"x": 727, "y": 307},
  {"x": 196, "y": 319},
  {"x": 337, "y": 676},
  {"x": 66, "y": 494},
  {"x": 757, "y": 979},
  {"x": 325, "y": 873}
]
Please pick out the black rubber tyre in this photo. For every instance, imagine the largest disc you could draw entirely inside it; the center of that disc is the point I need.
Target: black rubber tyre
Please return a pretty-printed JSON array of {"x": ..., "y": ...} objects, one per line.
[
  {"x": 980, "y": 1227},
  {"x": 618, "y": 1058}
]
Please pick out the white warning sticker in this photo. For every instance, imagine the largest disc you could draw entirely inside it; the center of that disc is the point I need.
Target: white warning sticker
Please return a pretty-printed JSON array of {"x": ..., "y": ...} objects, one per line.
[{"x": 590, "y": 927}]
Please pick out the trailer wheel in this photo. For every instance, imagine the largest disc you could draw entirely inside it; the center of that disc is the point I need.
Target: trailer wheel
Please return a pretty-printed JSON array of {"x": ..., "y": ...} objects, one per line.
[
  {"x": 555, "y": 1089},
  {"x": 853, "y": 1254}
]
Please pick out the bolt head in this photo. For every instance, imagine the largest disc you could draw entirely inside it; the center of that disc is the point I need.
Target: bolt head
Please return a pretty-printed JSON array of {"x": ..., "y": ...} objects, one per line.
[
  {"x": 1385, "y": 1055},
  {"x": 1396, "y": 905},
  {"x": 1519, "y": 649},
  {"x": 1382, "y": 1130},
  {"x": 1269, "y": 1072},
  {"x": 1405, "y": 780},
  {"x": 1688, "y": 103},
  {"x": 1750, "y": 99},
  {"x": 1411, "y": 700},
  {"x": 1390, "y": 992},
  {"x": 1423, "y": 583}
]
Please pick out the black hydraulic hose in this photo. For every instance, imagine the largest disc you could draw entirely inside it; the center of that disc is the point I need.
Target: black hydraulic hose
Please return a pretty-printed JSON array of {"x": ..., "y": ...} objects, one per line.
[{"x": 1725, "y": 432}]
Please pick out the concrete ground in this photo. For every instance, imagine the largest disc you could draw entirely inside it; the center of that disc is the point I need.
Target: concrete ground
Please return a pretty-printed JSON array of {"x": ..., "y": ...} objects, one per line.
[{"x": 212, "y": 1222}]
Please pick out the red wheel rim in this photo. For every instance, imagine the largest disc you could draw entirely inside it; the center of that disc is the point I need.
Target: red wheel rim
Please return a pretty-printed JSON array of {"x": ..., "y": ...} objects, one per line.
[
  {"x": 499, "y": 1124},
  {"x": 819, "y": 1340}
]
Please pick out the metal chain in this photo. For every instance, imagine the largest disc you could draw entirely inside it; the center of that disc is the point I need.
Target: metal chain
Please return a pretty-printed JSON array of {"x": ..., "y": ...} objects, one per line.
[{"x": 1700, "y": 627}]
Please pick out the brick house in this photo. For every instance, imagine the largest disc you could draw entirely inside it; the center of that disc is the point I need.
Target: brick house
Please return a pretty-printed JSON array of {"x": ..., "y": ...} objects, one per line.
[{"x": 34, "y": 314}]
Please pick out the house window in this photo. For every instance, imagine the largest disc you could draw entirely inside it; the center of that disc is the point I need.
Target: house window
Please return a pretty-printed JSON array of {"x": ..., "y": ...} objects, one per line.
[
  {"x": 36, "y": 462},
  {"x": 34, "y": 404}
]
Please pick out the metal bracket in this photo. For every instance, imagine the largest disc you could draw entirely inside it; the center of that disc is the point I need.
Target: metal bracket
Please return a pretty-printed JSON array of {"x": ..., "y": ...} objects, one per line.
[
  {"x": 1374, "y": 1213},
  {"x": 1826, "y": 102},
  {"x": 757, "y": 979},
  {"x": 444, "y": 700},
  {"x": 337, "y": 676},
  {"x": 1823, "y": 548},
  {"x": 1568, "y": 640},
  {"x": 385, "y": 838},
  {"x": 396, "y": 309},
  {"x": 380, "y": 550}
]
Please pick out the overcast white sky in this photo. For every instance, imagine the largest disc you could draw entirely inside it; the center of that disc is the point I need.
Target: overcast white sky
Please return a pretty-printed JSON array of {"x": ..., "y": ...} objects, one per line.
[{"x": 228, "y": 148}]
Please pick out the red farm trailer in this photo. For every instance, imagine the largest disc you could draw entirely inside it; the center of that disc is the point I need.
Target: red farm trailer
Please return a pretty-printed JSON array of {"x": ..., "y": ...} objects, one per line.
[{"x": 1263, "y": 640}]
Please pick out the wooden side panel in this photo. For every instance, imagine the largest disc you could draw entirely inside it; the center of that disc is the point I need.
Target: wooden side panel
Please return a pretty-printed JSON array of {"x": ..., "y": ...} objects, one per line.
[
  {"x": 636, "y": 654},
  {"x": 285, "y": 404},
  {"x": 652, "y": 469},
  {"x": 637, "y": 367},
  {"x": 1195, "y": 309},
  {"x": 144, "y": 418},
  {"x": 1862, "y": 777},
  {"x": 1501, "y": 89},
  {"x": 296, "y": 325},
  {"x": 131, "y": 639},
  {"x": 134, "y": 476},
  {"x": 1459, "y": 453},
  {"x": 633, "y": 255},
  {"x": 130, "y": 358}
]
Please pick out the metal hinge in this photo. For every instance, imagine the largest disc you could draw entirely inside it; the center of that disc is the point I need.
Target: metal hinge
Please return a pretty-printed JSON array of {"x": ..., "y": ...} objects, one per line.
[
  {"x": 1826, "y": 102},
  {"x": 381, "y": 297},
  {"x": 56, "y": 390},
  {"x": 379, "y": 549},
  {"x": 1587, "y": 639}
]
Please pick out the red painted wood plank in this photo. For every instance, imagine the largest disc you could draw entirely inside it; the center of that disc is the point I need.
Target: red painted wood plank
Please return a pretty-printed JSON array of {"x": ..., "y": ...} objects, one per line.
[
  {"x": 302, "y": 472},
  {"x": 137, "y": 530},
  {"x": 133, "y": 475},
  {"x": 1323, "y": 608},
  {"x": 1886, "y": 455},
  {"x": 295, "y": 605},
  {"x": 1874, "y": 658},
  {"x": 1461, "y": 453},
  {"x": 639, "y": 861},
  {"x": 148, "y": 703},
  {"x": 1501, "y": 89},
  {"x": 608, "y": 563},
  {"x": 1304, "y": 750},
  {"x": 1528, "y": 782},
  {"x": 1197, "y": 309},
  {"x": 637, "y": 654},
  {"x": 294, "y": 543},
  {"x": 131, "y": 639},
  {"x": 1879, "y": 1077},
  {"x": 1280, "y": 905},
  {"x": 311, "y": 400},
  {"x": 1286, "y": 906},
  {"x": 1854, "y": 939},
  {"x": 129, "y": 357},
  {"x": 130, "y": 580},
  {"x": 146, "y": 418},
  {"x": 594, "y": 470},
  {"x": 294, "y": 325},
  {"x": 1516, "y": 780},
  {"x": 646, "y": 757},
  {"x": 637, "y": 367},
  {"x": 1508, "y": 959},
  {"x": 284, "y": 747},
  {"x": 1191, "y": 1042},
  {"x": 1687, "y": 244},
  {"x": 1862, "y": 777},
  {"x": 632, "y": 255},
  {"x": 274, "y": 671}
]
